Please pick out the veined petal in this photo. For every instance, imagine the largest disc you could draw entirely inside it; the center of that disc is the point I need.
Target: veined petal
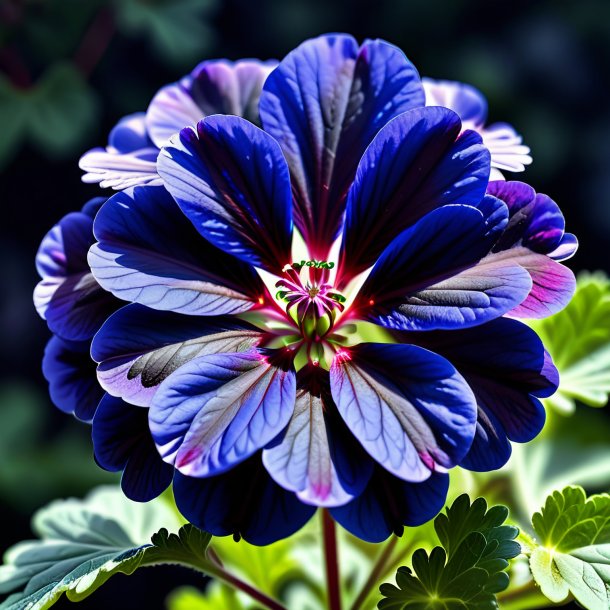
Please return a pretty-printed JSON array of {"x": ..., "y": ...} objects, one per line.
[
  {"x": 149, "y": 253},
  {"x": 389, "y": 503},
  {"x": 244, "y": 502},
  {"x": 506, "y": 146},
  {"x": 68, "y": 297},
  {"x": 213, "y": 87},
  {"x": 505, "y": 364},
  {"x": 429, "y": 277},
  {"x": 122, "y": 441},
  {"x": 73, "y": 387},
  {"x": 217, "y": 410},
  {"x": 408, "y": 407},
  {"x": 465, "y": 100},
  {"x": 324, "y": 104},
  {"x": 310, "y": 460},
  {"x": 232, "y": 182},
  {"x": 138, "y": 348},
  {"x": 416, "y": 163}
]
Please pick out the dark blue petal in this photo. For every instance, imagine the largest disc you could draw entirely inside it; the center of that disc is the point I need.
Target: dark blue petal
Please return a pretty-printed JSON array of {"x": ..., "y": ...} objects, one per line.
[
  {"x": 149, "y": 253},
  {"x": 122, "y": 441},
  {"x": 324, "y": 104},
  {"x": 73, "y": 386},
  {"x": 138, "y": 348},
  {"x": 428, "y": 277},
  {"x": 505, "y": 364},
  {"x": 418, "y": 162},
  {"x": 244, "y": 502},
  {"x": 231, "y": 180},
  {"x": 130, "y": 134},
  {"x": 409, "y": 408},
  {"x": 388, "y": 504},
  {"x": 217, "y": 410},
  {"x": 314, "y": 457},
  {"x": 213, "y": 87},
  {"x": 92, "y": 207},
  {"x": 465, "y": 100},
  {"x": 68, "y": 297},
  {"x": 567, "y": 248}
]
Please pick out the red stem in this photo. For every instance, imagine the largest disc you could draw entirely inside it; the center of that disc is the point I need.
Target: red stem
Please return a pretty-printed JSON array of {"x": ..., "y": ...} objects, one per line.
[
  {"x": 95, "y": 42},
  {"x": 259, "y": 596},
  {"x": 332, "y": 561}
]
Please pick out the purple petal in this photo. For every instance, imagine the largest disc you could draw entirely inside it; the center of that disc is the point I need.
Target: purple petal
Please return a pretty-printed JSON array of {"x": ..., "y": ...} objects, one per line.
[
  {"x": 122, "y": 441},
  {"x": 408, "y": 407},
  {"x": 465, "y": 100},
  {"x": 244, "y": 502},
  {"x": 418, "y": 162},
  {"x": 324, "y": 104},
  {"x": 430, "y": 277},
  {"x": 505, "y": 364},
  {"x": 303, "y": 458},
  {"x": 388, "y": 504},
  {"x": 566, "y": 249},
  {"x": 73, "y": 386},
  {"x": 149, "y": 253},
  {"x": 553, "y": 285},
  {"x": 138, "y": 348},
  {"x": 213, "y": 87},
  {"x": 68, "y": 297},
  {"x": 217, "y": 410},
  {"x": 232, "y": 182}
]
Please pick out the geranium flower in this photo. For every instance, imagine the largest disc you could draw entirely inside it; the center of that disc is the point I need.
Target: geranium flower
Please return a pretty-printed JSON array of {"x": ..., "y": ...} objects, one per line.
[
  {"x": 321, "y": 312},
  {"x": 214, "y": 86},
  {"x": 508, "y": 153}
]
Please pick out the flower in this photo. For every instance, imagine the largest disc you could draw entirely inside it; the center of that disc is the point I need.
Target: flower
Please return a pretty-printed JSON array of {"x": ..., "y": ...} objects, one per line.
[
  {"x": 133, "y": 146},
  {"x": 508, "y": 153},
  {"x": 321, "y": 311}
]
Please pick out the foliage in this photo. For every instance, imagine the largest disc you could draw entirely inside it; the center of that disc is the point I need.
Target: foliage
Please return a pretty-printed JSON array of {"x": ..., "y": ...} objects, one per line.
[
  {"x": 467, "y": 570},
  {"x": 573, "y": 556},
  {"x": 84, "y": 542},
  {"x": 578, "y": 339},
  {"x": 217, "y": 596}
]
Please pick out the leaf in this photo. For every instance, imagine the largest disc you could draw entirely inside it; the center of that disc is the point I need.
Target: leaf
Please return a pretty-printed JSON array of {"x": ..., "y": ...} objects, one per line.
[
  {"x": 578, "y": 339},
  {"x": 84, "y": 542},
  {"x": 215, "y": 597},
  {"x": 176, "y": 28},
  {"x": 467, "y": 571},
  {"x": 573, "y": 556}
]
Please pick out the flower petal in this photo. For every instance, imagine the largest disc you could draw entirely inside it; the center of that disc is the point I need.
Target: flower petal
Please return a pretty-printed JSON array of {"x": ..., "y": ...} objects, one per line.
[
  {"x": 388, "y": 504},
  {"x": 217, "y": 410},
  {"x": 244, "y": 502},
  {"x": 465, "y": 100},
  {"x": 505, "y": 364},
  {"x": 68, "y": 297},
  {"x": 231, "y": 180},
  {"x": 408, "y": 407},
  {"x": 429, "y": 277},
  {"x": 122, "y": 441},
  {"x": 566, "y": 249},
  {"x": 309, "y": 459},
  {"x": 149, "y": 253},
  {"x": 416, "y": 163},
  {"x": 213, "y": 87},
  {"x": 506, "y": 147},
  {"x": 324, "y": 104},
  {"x": 73, "y": 387},
  {"x": 138, "y": 348}
]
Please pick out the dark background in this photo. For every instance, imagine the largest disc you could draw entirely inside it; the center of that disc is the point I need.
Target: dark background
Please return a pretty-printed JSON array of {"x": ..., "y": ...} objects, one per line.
[{"x": 543, "y": 66}]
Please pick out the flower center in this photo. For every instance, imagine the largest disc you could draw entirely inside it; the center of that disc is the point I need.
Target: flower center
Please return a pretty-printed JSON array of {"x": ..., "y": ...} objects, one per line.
[{"x": 309, "y": 298}]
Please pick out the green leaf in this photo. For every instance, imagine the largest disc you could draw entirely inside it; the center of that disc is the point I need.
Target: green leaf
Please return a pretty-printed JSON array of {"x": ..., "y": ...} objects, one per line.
[
  {"x": 176, "y": 28},
  {"x": 578, "y": 339},
  {"x": 573, "y": 556},
  {"x": 467, "y": 571},
  {"x": 217, "y": 596},
  {"x": 84, "y": 542}
]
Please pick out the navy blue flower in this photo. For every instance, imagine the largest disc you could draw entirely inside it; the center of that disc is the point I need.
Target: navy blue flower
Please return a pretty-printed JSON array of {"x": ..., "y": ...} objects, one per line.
[{"x": 317, "y": 307}]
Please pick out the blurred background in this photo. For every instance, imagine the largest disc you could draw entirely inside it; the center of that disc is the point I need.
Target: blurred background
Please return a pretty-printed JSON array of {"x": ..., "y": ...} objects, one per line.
[{"x": 69, "y": 69}]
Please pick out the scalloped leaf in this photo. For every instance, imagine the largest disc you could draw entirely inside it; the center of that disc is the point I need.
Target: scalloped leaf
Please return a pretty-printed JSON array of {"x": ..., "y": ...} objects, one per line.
[
  {"x": 573, "y": 556},
  {"x": 82, "y": 543},
  {"x": 578, "y": 339},
  {"x": 467, "y": 571}
]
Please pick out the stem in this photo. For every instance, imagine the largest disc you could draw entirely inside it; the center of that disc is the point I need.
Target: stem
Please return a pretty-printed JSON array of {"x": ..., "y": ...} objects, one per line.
[
  {"x": 94, "y": 42},
  {"x": 332, "y": 561},
  {"x": 376, "y": 573}
]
